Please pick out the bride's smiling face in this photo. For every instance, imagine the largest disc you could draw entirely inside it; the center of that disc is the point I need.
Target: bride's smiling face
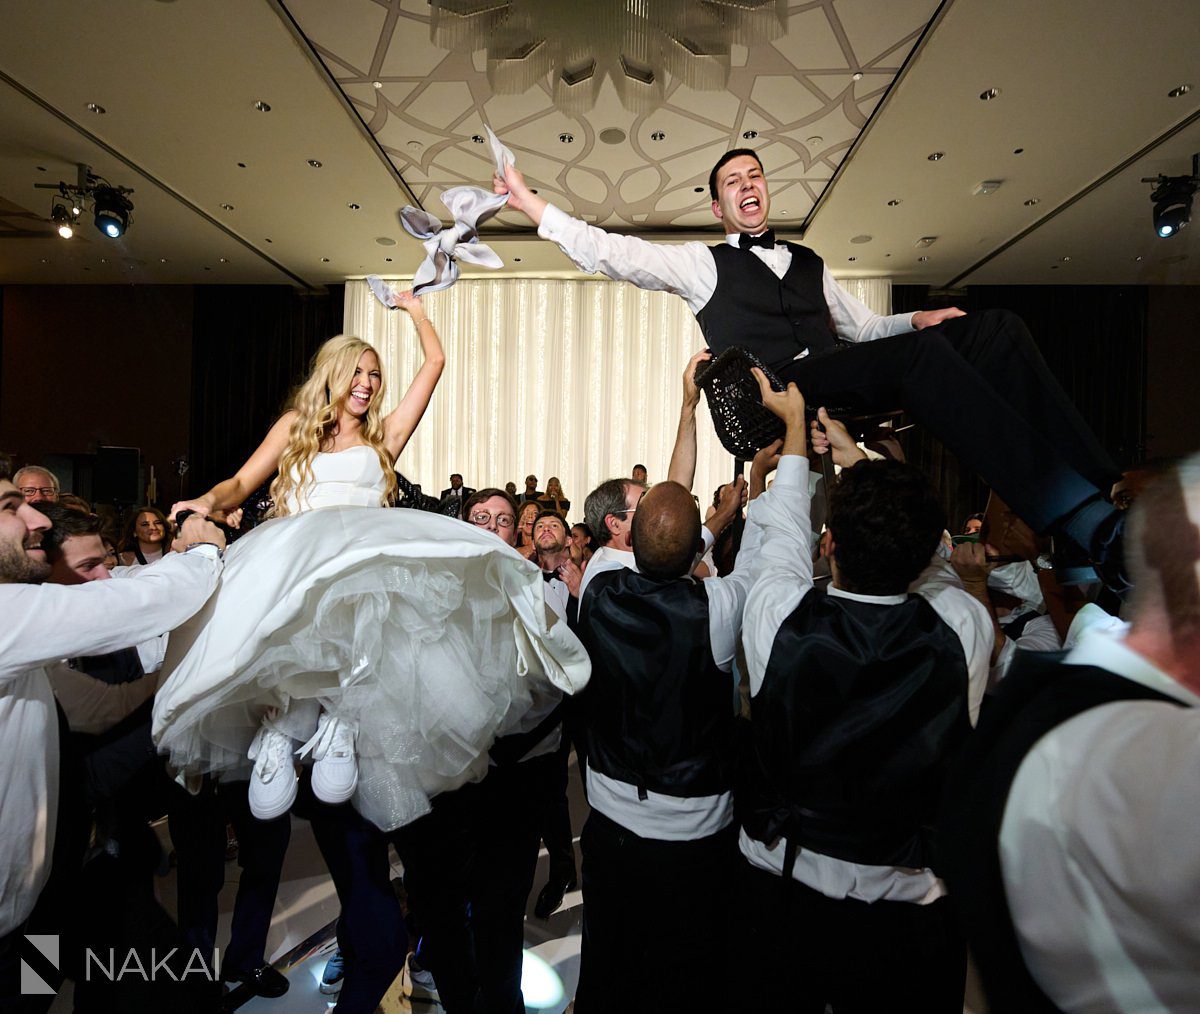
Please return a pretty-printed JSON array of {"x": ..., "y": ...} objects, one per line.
[{"x": 364, "y": 388}]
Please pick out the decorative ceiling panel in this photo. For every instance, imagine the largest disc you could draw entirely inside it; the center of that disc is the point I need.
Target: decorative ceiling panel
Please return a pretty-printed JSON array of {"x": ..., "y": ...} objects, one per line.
[{"x": 803, "y": 97}]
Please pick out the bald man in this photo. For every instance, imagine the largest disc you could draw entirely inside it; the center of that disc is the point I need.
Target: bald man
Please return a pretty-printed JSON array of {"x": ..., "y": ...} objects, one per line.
[{"x": 660, "y": 842}]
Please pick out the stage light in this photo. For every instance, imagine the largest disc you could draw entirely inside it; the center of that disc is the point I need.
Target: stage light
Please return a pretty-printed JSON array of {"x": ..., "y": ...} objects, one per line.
[
  {"x": 540, "y": 984},
  {"x": 1172, "y": 198},
  {"x": 62, "y": 218},
  {"x": 113, "y": 211}
]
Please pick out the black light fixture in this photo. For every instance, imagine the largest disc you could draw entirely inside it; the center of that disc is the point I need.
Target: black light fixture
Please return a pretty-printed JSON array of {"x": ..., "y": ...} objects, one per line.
[
  {"x": 111, "y": 206},
  {"x": 113, "y": 211},
  {"x": 1172, "y": 198}
]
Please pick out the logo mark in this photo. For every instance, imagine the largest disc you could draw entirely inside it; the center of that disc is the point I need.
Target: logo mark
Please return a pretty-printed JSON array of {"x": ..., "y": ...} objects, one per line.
[{"x": 39, "y": 965}]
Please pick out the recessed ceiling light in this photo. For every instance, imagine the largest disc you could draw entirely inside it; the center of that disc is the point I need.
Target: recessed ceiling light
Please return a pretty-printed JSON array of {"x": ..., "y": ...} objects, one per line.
[
  {"x": 784, "y": 214},
  {"x": 103, "y": 260},
  {"x": 324, "y": 260},
  {"x": 1138, "y": 258},
  {"x": 224, "y": 260},
  {"x": 385, "y": 241},
  {"x": 353, "y": 207},
  {"x": 988, "y": 94},
  {"x": 922, "y": 259},
  {"x": 698, "y": 190},
  {"x": 893, "y": 202},
  {"x": 864, "y": 238},
  {"x": 416, "y": 145},
  {"x": 1182, "y": 89},
  {"x": 314, "y": 163},
  {"x": 612, "y": 135},
  {"x": 1032, "y": 201},
  {"x": 477, "y": 138},
  {"x": 262, "y": 106},
  {"x": 207, "y": 268},
  {"x": 1065, "y": 259},
  {"x": 227, "y": 207},
  {"x": 1017, "y": 151},
  {"x": 749, "y": 135},
  {"x": 517, "y": 260},
  {"x": 40, "y": 168},
  {"x": 856, "y": 76},
  {"x": 388, "y": 260},
  {"x": 93, "y": 108},
  {"x": 162, "y": 260},
  {"x": 936, "y": 156},
  {"x": 814, "y": 140},
  {"x": 566, "y": 138},
  {"x": 241, "y": 165},
  {"x": 376, "y": 84},
  {"x": 269, "y": 240},
  {"x": 851, "y": 258},
  {"x": 1053, "y": 267},
  {"x": 45, "y": 260},
  {"x": 925, "y": 241},
  {"x": 533, "y": 190},
  {"x": 658, "y": 135}
]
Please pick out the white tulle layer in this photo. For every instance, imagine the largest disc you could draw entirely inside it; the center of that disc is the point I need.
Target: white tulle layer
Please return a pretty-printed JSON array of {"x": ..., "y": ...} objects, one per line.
[{"x": 428, "y": 633}]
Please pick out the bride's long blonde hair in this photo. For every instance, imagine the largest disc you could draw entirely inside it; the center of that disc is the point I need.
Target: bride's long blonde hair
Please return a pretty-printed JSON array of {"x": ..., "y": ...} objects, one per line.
[{"x": 317, "y": 403}]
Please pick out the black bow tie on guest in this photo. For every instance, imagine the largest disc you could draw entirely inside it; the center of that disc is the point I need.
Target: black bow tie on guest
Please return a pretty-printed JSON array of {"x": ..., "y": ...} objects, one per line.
[
  {"x": 766, "y": 240},
  {"x": 549, "y": 575}
]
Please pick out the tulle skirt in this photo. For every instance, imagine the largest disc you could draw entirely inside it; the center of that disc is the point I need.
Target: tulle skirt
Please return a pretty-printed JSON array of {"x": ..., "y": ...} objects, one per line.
[{"x": 430, "y": 634}]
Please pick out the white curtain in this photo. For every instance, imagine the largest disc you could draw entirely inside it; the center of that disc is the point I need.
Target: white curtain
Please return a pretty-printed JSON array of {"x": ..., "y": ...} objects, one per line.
[{"x": 578, "y": 379}]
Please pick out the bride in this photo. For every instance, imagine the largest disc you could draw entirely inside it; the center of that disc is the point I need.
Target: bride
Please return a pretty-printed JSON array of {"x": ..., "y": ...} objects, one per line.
[{"x": 391, "y": 645}]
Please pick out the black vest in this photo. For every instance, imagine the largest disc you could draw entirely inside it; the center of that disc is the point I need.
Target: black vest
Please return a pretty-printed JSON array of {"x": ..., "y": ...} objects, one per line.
[
  {"x": 1038, "y": 694},
  {"x": 775, "y": 318},
  {"x": 658, "y": 712},
  {"x": 860, "y": 705}
]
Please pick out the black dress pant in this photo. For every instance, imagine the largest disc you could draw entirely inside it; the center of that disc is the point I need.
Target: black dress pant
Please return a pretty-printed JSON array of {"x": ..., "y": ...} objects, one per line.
[
  {"x": 555, "y": 821},
  {"x": 370, "y": 933},
  {"x": 979, "y": 384},
  {"x": 798, "y": 950},
  {"x": 514, "y": 801},
  {"x": 651, "y": 911},
  {"x": 439, "y": 852},
  {"x": 197, "y": 825}
]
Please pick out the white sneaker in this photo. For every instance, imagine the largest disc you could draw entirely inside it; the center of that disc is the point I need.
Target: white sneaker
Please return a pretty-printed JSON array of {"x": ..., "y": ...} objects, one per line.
[
  {"x": 335, "y": 764},
  {"x": 417, "y": 982},
  {"x": 273, "y": 781}
]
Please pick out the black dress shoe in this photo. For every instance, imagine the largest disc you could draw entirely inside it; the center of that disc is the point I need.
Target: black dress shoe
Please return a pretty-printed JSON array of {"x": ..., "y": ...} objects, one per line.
[
  {"x": 264, "y": 981},
  {"x": 551, "y": 896}
]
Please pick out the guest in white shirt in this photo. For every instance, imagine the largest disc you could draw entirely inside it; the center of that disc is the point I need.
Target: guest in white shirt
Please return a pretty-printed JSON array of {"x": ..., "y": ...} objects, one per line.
[
  {"x": 1072, "y": 823},
  {"x": 659, "y": 721},
  {"x": 44, "y": 624},
  {"x": 858, "y": 696}
]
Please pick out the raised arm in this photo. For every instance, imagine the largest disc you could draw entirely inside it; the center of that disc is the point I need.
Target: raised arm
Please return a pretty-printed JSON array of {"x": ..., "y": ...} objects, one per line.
[
  {"x": 686, "y": 269},
  {"x": 402, "y": 420},
  {"x": 683, "y": 457},
  {"x": 229, "y": 494}
]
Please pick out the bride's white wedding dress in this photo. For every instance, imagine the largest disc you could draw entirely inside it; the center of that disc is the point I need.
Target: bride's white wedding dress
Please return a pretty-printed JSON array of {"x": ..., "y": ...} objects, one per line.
[{"x": 427, "y": 632}]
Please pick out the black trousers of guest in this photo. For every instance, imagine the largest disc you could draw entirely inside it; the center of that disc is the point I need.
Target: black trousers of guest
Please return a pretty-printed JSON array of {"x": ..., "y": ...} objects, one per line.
[
  {"x": 648, "y": 912},
  {"x": 439, "y": 852},
  {"x": 514, "y": 801},
  {"x": 555, "y": 821},
  {"x": 371, "y": 933},
  {"x": 980, "y": 385},
  {"x": 798, "y": 950},
  {"x": 197, "y": 825}
]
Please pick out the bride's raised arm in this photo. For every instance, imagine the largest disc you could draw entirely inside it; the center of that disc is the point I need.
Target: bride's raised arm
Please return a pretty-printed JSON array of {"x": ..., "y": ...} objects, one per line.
[{"x": 402, "y": 420}]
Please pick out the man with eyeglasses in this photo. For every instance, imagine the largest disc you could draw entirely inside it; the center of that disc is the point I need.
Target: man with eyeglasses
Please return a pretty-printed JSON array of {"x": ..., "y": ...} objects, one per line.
[
  {"x": 37, "y": 485},
  {"x": 494, "y": 510}
]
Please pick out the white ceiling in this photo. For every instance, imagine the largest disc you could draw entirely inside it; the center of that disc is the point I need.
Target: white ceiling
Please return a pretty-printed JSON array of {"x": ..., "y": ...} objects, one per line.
[{"x": 1083, "y": 89}]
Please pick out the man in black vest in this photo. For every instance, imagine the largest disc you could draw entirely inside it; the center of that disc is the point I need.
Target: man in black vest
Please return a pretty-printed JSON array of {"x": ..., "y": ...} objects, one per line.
[
  {"x": 1069, "y": 833},
  {"x": 966, "y": 379},
  {"x": 858, "y": 694},
  {"x": 659, "y": 844}
]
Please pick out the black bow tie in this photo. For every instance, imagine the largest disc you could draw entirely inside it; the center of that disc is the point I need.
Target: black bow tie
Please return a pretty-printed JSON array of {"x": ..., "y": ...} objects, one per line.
[
  {"x": 766, "y": 240},
  {"x": 549, "y": 575}
]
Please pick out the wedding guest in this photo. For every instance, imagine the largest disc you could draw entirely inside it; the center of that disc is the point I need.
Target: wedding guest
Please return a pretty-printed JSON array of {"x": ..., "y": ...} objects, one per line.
[
  {"x": 554, "y": 499},
  {"x": 147, "y": 537}
]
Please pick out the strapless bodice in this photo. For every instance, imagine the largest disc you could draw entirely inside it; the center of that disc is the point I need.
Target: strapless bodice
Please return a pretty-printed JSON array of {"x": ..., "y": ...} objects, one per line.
[{"x": 349, "y": 478}]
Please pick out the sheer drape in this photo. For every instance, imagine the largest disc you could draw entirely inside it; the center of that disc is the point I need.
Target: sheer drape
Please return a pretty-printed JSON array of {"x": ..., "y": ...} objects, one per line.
[{"x": 575, "y": 378}]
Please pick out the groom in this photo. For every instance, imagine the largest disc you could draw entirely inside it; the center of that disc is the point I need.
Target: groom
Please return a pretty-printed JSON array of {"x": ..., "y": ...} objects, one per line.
[{"x": 965, "y": 378}]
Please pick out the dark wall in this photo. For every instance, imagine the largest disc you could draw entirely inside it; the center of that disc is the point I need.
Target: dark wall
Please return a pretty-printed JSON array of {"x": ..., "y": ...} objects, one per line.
[
  {"x": 86, "y": 365},
  {"x": 1173, "y": 371}
]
